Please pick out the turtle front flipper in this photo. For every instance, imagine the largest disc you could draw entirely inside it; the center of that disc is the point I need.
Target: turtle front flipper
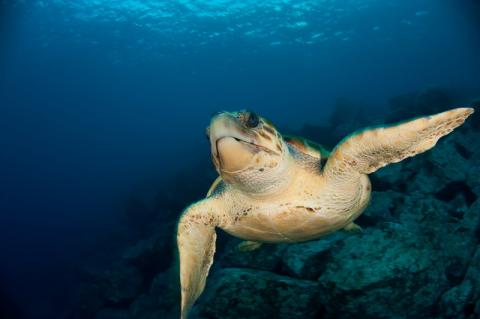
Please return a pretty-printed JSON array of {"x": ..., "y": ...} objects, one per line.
[
  {"x": 196, "y": 245},
  {"x": 371, "y": 149}
]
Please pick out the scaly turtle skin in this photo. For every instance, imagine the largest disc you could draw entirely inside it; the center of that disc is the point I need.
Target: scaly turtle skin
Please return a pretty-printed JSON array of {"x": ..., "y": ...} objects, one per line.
[{"x": 275, "y": 190}]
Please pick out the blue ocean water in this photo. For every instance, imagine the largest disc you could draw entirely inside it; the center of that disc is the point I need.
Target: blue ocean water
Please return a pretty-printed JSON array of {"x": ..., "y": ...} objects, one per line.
[{"x": 103, "y": 99}]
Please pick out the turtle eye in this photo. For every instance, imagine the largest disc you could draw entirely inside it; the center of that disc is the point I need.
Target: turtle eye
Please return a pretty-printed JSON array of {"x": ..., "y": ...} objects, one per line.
[{"x": 252, "y": 120}]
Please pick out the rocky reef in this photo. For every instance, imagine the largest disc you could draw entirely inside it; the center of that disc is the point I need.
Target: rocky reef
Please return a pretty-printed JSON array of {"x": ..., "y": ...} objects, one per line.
[{"x": 418, "y": 255}]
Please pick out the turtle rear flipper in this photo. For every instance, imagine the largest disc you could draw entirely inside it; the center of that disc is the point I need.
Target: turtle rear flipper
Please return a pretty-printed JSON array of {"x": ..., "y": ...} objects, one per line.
[
  {"x": 196, "y": 245},
  {"x": 248, "y": 245},
  {"x": 371, "y": 149},
  {"x": 353, "y": 228}
]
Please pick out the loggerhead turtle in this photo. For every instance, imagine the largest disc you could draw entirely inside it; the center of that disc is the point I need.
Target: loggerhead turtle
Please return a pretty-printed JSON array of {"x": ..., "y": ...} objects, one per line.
[{"x": 276, "y": 190}]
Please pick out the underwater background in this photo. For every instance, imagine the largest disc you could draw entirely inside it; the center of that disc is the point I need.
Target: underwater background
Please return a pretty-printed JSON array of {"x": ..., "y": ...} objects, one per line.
[{"x": 103, "y": 109}]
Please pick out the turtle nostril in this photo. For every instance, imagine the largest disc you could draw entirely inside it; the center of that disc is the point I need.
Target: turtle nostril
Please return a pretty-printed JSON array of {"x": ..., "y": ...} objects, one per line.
[{"x": 252, "y": 120}]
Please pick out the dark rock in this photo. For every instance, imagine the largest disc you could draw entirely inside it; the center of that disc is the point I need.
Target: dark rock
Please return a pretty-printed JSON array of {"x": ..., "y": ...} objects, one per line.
[
  {"x": 472, "y": 217},
  {"x": 112, "y": 289},
  {"x": 397, "y": 272},
  {"x": 447, "y": 163},
  {"x": 308, "y": 260},
  {"x": 267, "y": 257},
  {"x": 455, "y": 301},
  {"x": 467, "y": 143},
  {"x": 473, "y": 177},
  {"x": 432, "y": 221},
  {"x": 146, "y": 307},
  {"x": 455, "y": 271},
  {"x": 460, "y": 205},
  {"x": 121, "y": 284},
  {"x": 476, "y": 118},
  {"x": 420, "y": 178},
  {"x": 152, "y": 255},
  {"x": 161, "y": 300},
  {"x": 246, "y": 293},
  {"x": 476, "y": 310},
  {"x": 381, "y": 209},
  {"x": 473, "y": 275},
  {"x": 424, "y": 212},
  {"x": 458, "y": 193},
  {"x": 165, "y": 289},
  {"x": 113, "y": 313},
  {"x": 473, "y": 180},
  {"x": 459, "y": 301},
  {"x": 388, "y": 178}
]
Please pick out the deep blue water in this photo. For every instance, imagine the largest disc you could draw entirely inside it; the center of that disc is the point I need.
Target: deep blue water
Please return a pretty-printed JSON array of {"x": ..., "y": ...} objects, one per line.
[{"x": 98, "y": 98}]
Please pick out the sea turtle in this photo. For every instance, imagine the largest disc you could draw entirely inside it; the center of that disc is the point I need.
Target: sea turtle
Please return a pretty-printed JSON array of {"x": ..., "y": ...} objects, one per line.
[{"x": 275, "y": 189}]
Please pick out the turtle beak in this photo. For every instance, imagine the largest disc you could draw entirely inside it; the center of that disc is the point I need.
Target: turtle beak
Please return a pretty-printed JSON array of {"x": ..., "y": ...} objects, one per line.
[
  {"x": 223, "y": 124},
  {"x": 226, "y": 125}
]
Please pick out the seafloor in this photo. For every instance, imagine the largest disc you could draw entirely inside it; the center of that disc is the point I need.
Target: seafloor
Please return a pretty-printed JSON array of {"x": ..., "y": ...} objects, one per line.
[{"x": 417, "y": 257}]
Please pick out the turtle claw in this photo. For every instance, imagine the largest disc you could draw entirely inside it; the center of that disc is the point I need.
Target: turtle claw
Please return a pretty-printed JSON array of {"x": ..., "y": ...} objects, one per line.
[
  {"x": 353, "y": 228},
  {"x": 248, "y": 245}
]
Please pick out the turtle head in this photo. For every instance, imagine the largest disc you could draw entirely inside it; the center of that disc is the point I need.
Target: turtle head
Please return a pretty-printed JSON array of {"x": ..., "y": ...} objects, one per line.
[{"x": 247, "y": 151}]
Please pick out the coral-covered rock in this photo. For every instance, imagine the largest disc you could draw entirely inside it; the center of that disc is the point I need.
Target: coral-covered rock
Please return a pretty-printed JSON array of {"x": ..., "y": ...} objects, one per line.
[{"x": 247, "y": 293}]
